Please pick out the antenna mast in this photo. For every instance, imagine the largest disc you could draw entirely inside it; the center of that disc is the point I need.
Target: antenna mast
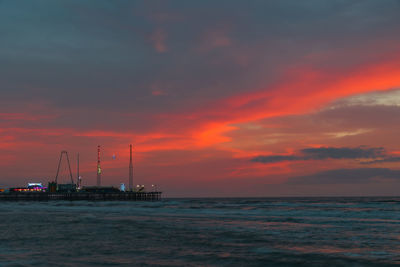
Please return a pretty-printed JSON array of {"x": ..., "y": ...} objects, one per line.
[
  {"x": 98, "y": 167},
  {"x": 130, "y": 169},
  {"x": 78, "y": 178}
]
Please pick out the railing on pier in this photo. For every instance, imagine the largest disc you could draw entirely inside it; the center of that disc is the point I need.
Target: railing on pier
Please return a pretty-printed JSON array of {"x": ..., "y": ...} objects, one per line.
[{"x": 131, "y": 196}]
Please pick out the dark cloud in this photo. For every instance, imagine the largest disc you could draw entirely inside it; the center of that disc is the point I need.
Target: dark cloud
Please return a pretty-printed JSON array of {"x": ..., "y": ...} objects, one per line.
[
  {"x": 275, "y": 158},
  {"x": 326, "y": 153},
  {"x": 343, "y": 153},
  {"x": 346, "y": 176}
]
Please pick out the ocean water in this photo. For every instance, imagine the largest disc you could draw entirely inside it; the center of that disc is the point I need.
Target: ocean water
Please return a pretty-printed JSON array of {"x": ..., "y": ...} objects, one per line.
[{"x": 202, "y": 232}]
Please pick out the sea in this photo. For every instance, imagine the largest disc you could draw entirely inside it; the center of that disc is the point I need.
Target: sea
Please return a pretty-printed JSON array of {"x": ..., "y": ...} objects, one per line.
[{"x": 340, "y": 231}]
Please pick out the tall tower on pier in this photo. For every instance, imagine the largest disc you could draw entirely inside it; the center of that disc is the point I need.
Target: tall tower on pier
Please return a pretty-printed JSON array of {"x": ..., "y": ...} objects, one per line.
[
  {"x": 130, "y": 169},
  {"x": 77, "y": 167},
  {"x": 98, "y": 167}
]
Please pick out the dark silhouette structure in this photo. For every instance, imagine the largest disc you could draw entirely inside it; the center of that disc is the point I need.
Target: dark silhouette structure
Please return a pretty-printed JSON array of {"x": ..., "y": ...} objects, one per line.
[{"x": 130, "y": 169}]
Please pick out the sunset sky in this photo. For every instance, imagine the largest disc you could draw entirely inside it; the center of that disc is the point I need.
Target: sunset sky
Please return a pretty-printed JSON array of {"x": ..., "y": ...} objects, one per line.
[{"x": 218, "y": 98}]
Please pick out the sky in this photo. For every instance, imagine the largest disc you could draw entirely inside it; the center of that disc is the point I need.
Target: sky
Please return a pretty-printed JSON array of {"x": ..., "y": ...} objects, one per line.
[{"x": 219, "y": 98}]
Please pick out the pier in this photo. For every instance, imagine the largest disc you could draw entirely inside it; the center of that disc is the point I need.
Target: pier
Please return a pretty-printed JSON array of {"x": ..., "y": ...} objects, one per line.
[
  {"x": 75, "y": 191},
  {"x": 45, "y": 196}
]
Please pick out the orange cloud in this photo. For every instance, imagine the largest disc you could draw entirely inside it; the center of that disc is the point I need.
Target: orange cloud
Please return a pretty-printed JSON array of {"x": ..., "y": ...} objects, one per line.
[{"x": 302, "y": 90}]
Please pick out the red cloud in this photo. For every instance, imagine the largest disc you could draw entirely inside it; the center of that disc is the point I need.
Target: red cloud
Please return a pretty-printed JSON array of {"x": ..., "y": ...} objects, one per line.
[{"x": 301, "y": 91}]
